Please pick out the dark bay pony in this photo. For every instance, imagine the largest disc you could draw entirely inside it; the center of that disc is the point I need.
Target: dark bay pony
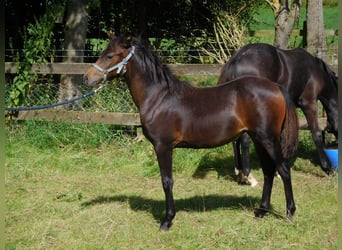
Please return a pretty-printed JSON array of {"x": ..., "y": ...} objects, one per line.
[
  {"x": 307, "y": 80},
  {"x": 176, "y": 114}
]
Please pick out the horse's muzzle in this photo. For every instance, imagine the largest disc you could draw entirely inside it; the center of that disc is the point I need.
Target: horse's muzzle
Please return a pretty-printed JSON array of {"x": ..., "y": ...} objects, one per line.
[{"x": 91, "y": 82}]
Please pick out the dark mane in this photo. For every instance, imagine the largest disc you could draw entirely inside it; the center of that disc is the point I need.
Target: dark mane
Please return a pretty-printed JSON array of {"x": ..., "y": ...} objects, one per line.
[{"x": 158, "y": 72}]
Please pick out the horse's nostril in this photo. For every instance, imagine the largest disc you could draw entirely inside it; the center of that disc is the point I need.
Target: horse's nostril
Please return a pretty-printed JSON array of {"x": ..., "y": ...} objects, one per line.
[{"x": 85, "y": 79}]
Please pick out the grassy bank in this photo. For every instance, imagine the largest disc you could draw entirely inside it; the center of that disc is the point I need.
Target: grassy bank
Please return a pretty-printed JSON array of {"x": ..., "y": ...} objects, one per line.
[{"x": 104, "y": 192}]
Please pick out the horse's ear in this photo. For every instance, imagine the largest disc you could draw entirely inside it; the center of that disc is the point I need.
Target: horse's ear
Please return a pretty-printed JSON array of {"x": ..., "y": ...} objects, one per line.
[
  {"x": 140, "y": 36},
  {"x": 128, "y": 41},
  {"x": 111, "y": 34}
]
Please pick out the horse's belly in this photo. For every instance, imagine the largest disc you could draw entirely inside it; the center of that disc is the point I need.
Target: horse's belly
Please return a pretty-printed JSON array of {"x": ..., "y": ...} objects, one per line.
[{"x": 209, "y": 133}]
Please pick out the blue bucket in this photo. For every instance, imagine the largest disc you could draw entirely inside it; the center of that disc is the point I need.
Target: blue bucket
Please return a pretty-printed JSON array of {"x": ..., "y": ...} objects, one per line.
[{"x": 332, "y": 154}]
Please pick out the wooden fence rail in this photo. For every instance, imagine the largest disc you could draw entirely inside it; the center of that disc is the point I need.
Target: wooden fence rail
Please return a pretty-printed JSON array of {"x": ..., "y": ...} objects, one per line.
[
  {"x": 81, "y": 68},
  {"x": 295, "y": 32},
  {"x": 126, "y": 119},
  {"x": 129, "y": 119}
]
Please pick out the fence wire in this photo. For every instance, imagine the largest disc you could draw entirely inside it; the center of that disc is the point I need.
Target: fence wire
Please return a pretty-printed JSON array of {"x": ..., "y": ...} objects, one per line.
[{"x": 113, "y": 97}]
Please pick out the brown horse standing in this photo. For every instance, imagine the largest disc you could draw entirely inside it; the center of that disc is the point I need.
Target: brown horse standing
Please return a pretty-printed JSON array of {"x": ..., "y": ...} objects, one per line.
[
  {"x": 176, "y": 114},
  {"x": 307, "y": 80}
]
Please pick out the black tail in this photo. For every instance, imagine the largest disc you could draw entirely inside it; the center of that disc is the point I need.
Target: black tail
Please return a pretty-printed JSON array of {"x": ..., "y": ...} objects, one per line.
[{"x": 290, "y": 129}]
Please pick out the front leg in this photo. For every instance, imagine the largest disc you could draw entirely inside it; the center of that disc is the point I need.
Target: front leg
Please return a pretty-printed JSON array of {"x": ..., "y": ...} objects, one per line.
[
  {"x": 164, "y": 156},
  {"x": 309, "y": 108}
]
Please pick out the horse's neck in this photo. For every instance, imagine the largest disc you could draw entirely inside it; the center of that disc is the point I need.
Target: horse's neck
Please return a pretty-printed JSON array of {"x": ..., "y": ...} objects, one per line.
[{"x": 142, "y": 91}]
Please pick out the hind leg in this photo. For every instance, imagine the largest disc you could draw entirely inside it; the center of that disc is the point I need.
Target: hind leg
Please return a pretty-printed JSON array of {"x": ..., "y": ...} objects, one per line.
[
  {"x": 242, "y": 162},
  {"x": 269, "y": 168},
  {"x": 272, "y": 160},
  {"x": 237, "y": 156},
  {"x": 285, "y": 174},
  {"x": 245, "y": 143}
]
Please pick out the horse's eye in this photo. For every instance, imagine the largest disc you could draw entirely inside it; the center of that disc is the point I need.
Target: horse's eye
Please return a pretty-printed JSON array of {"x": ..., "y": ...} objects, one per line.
[{"x": 110, "y": 56}]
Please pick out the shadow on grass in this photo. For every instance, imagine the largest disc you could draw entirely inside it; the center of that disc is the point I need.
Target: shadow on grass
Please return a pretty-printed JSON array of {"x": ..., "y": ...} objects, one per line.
[
  {"x": 225, "y": 167},
  {"x": 308, "y": 153},
  {"x": 193, "y": 204}
]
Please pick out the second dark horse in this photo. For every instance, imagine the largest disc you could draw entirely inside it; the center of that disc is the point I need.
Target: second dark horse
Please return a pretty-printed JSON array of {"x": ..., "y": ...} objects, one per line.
[{"x": 307, "y": 80}]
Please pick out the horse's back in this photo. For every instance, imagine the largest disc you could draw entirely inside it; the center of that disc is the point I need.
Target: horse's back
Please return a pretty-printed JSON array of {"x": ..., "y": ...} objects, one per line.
[
  {"x": 252, "y": 59},
  {"x": 295, "y": 69}
]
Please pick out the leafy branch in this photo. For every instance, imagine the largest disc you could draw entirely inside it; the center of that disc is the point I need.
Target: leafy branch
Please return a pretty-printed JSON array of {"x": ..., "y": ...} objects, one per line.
[{"x": 38, "y": 40}]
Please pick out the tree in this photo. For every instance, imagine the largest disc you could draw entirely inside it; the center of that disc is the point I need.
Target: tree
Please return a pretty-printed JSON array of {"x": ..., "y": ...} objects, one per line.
[
  {"x": 286, "y": 15},
  {"x": 316, "y": 39},
  {"x": 74, "y": 43},
  {"x": 178, "y": 19}
]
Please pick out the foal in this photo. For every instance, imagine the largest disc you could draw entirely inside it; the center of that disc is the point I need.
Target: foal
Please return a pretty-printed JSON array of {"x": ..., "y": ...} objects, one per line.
[{"x": 176, "y": 114}]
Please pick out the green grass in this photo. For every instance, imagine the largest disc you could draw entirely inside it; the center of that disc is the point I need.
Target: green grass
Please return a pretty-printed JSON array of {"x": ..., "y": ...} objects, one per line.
[
  {"x": 107, "y": 194},
  {"x": 264, "y": 20}
]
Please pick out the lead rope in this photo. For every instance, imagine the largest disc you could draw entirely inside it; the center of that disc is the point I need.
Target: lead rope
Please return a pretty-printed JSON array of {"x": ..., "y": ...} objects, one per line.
[
  {"x": 120, "y": 66},
  {"x": 56, "y": 104}
]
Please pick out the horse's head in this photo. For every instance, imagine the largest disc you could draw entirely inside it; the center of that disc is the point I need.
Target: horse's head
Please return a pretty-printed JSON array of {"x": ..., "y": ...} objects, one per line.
[{"x": 112, "y": 61}]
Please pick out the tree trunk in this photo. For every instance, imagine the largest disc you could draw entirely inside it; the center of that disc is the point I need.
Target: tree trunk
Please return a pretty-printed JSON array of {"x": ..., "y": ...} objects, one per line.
[
  {"x": 316, "y": 39},
  {"x": 74, "y": 43},
  {"x": 285, "y": 15}
]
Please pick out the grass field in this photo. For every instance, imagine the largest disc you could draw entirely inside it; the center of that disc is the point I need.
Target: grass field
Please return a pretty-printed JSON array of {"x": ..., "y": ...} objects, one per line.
[
  {"x": 264, "y": 20},
  {"x": 74, "y": 186}
]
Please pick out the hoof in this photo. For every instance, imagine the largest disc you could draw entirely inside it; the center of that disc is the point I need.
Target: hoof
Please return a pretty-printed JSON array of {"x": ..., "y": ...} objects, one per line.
[
  {"x": 290, "y": 213},
  {"x": 259, "y": 213},
  {"x": 289, "y": 218},
  {"x": 247, "y": 180},
  {"x": 330, "y": 171},
  {"x": 165, "y": 226},
  {"x": 252, "y": 181}
]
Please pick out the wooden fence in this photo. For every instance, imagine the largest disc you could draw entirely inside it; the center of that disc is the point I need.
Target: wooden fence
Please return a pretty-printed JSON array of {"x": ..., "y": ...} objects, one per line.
[
  {"x": 109, "y": 117},
  {"x": 295, "y": 32}
]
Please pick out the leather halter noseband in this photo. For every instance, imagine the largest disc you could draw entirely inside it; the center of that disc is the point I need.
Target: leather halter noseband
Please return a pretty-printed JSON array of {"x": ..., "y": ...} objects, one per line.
[{"x": 119, "y": 66}]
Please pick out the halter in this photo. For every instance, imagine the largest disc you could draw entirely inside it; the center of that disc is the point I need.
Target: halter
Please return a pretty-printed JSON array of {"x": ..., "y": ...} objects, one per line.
[{"x": 119, "y": 66}]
